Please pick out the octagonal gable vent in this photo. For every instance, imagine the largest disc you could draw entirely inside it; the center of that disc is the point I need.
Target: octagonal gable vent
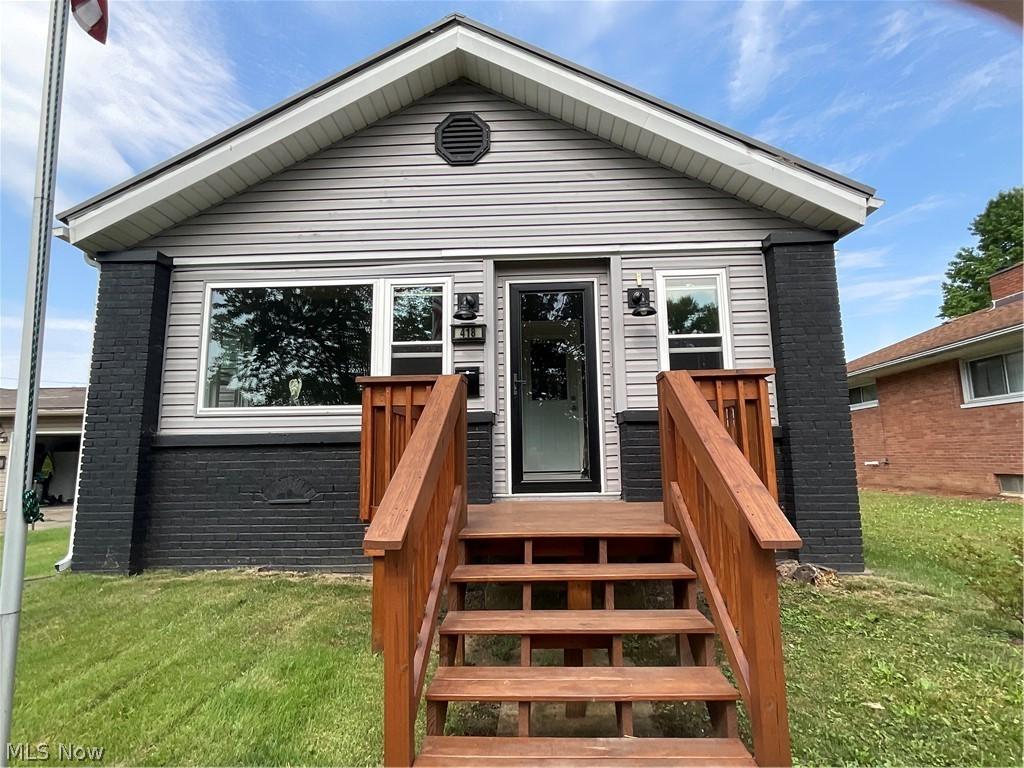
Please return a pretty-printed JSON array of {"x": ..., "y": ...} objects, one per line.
[{"x": 462, "y": 138}]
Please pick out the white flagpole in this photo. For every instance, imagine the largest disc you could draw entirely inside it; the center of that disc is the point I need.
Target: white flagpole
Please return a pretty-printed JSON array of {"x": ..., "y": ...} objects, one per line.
[{"x": 23, "y": 441}]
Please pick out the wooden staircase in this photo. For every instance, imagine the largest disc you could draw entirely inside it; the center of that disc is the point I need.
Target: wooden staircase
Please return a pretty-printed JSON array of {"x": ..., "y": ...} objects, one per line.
[
  {"x": 716, "y": 535},
  {"x": 551, "y": 542}
]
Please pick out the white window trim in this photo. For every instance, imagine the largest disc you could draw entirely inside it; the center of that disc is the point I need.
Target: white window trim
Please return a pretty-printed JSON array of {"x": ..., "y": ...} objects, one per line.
[
  {"x": 867, "y": 403},
  {"x": 970, "y": 401},
  {"x": 202, "y": 410},
  {"x": 721, "y": 277},
  {"x": 388, "y": 330}
]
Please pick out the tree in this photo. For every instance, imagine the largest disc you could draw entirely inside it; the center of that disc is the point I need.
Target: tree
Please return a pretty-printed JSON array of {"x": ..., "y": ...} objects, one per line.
[{"x": 1000, "y": 232}]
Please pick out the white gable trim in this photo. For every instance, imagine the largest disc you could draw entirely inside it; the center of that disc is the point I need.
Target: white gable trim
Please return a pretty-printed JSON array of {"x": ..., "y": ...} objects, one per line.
[{"x": 170, "y": 195}]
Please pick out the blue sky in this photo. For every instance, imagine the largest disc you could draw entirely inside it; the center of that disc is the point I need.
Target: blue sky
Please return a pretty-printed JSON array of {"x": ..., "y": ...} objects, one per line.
[{"x": 921, "y": 100}]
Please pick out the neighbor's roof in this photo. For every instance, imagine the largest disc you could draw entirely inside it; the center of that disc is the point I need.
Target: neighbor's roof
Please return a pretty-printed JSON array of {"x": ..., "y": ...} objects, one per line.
[
  {"x": 51, "y": 400},
  {"x": 950, "y": 337},
  {"x": 453, "y": 48}
]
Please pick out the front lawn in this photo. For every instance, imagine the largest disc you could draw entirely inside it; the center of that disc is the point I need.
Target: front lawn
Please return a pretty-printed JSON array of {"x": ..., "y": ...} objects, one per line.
[{"x": 911, "y": 665}]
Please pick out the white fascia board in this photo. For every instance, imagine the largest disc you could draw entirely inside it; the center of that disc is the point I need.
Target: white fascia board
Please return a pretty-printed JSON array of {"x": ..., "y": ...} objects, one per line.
[
  {"x": 261, "y": 136},
  {"x": 806, "y": 186}
]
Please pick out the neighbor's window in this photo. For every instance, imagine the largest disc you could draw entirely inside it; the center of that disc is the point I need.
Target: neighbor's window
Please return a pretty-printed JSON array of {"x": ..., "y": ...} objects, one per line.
[
  {"x": 417, "y": 329},
  {"x": 864, "y": 396},
  {"x": 1011, "y": 485},
  {"x": 998, "y": 376},
  {"x": 693, "y": 311},
  {"x": 288, "y": 346}
]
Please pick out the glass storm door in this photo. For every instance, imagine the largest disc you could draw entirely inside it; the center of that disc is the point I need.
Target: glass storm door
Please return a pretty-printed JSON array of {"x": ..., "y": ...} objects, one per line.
[{"x": 553, "y": 382}]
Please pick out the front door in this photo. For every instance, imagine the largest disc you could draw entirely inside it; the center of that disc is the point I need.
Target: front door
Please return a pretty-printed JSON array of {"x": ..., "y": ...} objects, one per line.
[{"x": 553, "y": 369}]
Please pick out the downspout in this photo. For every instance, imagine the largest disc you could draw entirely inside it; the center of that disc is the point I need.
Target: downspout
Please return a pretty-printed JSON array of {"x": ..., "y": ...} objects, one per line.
[{"x": 65, "y": 562}]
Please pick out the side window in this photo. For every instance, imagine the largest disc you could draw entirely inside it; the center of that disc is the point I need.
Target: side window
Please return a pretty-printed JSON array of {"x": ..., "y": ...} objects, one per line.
[
  {"x": 694, "y": 322},
  {"x": 994, "y": 378},
  {"x": 417, "y": 329},
  {"x": 865, "y": 396}
]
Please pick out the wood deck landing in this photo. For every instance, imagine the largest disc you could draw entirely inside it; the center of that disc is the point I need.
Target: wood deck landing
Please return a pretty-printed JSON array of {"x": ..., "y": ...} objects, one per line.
[{"x": 566, "y": 519}]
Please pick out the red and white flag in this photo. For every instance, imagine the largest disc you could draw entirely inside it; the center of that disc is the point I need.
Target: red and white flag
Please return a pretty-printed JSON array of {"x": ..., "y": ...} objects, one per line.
[{"x": 92, "y": 16}]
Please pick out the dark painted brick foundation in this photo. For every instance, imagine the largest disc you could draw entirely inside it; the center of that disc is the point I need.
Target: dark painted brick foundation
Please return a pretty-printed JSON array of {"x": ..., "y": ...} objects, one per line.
[
  {"x": 817, "y": 475},
  {"x": 289, "y": 506},
  {"x": 480, "y": 457},
  {"x": 640, "y": 454}
]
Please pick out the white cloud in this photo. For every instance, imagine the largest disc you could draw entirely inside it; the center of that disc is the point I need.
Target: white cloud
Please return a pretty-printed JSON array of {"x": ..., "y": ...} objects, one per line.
[
  {"x": 885, "y": 293},
  {"x": 911, "y": 212},
  {"x": 161, "y": 84},
  {"x": 865, "y": 258},
  {"x": 756, "y": 35},
  {"x": 760, "y": 28},
  {"x": 67, "y": 347},
  {"x": 986, "y": 85}
]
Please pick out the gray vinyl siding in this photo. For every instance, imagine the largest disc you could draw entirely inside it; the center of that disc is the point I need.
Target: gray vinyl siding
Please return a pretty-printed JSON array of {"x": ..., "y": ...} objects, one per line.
[
  {"x": 185, "y": 323},
  {"x": 564, "y": 271},
  {"x": 748, "y": 316},
  {"x": 543, "y": 183},
  {"x": 383, "y": 204}
]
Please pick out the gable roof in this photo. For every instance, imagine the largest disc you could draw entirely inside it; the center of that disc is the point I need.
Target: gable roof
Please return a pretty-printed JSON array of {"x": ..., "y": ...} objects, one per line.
[
  {"x": 453, "y": 48},
  {"x": 945, "y": 341}
]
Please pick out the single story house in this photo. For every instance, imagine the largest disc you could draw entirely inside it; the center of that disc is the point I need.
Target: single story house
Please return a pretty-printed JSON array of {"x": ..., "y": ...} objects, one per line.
[
  {"x": 459, "y": 202},
  {"x": 944, "y": 410},
  {"x": 58, "y": 436}
]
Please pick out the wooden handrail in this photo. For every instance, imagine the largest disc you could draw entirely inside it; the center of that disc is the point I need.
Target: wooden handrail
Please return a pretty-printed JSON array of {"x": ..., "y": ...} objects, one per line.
[
  {"x": 413, "y": 535},
  {"x": 731, "y": 525}
]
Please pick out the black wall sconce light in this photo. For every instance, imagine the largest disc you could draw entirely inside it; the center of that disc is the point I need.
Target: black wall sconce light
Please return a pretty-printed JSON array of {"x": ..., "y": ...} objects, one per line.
[
  {"x": 466, "y": 306},
  {"x": 639, "y": 299}
]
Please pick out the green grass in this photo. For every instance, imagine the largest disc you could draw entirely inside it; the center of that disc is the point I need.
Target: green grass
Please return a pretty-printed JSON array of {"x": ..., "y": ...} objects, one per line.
[
  {"x": 908, "y": 666},
  {"x": 200, "y": 669}
]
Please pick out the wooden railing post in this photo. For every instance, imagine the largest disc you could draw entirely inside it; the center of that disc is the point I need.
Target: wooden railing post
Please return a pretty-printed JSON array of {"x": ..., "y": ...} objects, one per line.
[
  {"x": 399, "y": 639},
  {"x": 762, "y": 642},
  {"x": 667, "y": 438}
]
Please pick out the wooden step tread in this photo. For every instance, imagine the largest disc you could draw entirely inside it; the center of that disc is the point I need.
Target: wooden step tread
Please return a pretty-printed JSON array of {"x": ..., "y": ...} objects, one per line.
[
  {"x": 538, "y": 520},
  {"x": 511, "y": 752},
  {"x": 572, "y": 572},
  {"x": 597, "y": 622},
  {"x": 580, "y": 684}
]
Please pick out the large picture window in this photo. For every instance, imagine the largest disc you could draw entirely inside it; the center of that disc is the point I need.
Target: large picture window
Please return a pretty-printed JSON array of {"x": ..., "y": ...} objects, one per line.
[
  {"x": 693, "y": 321},
  {"x": 994, "y": 379},
  {"x": 287, "y": 346},
  {"x": 417, "y": 329}
]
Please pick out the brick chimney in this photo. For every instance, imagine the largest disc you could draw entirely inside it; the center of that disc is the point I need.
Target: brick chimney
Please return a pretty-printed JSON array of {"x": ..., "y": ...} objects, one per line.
[{"x": 1007, "y": 285}]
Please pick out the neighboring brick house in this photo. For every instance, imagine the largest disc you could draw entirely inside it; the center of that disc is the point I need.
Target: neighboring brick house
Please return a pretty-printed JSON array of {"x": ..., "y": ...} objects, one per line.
[
  {"x": 459, "y": 203},
  {"x": 944, "y": 410}
]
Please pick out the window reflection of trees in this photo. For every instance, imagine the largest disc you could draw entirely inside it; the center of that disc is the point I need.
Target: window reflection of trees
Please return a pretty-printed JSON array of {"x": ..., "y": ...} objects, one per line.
[
  {"x": 417, "y": 314},
  {"x": 548, "y": 358},
  {"x": 261, "y": 339},
  {"x": 687, "y": 314}
]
